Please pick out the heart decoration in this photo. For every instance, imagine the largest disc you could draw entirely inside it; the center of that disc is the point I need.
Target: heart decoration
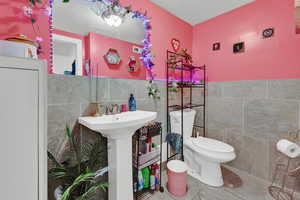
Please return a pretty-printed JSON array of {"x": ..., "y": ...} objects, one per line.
[{"x": 175, "y": 44}]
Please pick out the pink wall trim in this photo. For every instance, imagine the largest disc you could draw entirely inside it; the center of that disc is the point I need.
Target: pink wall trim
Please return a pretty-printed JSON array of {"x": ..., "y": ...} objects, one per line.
[{"x": 273, "y": 58}]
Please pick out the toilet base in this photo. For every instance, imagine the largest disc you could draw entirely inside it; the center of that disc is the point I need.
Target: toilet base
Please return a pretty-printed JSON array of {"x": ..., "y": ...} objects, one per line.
[
  {"x": 207, "y": 172},
  {"x": 214, "y": 179}
]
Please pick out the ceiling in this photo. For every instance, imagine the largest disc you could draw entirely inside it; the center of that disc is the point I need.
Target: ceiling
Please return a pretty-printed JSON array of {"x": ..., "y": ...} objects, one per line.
[
  {"x": 77, "y": 17},
  {"x": 198, "y": 11}
]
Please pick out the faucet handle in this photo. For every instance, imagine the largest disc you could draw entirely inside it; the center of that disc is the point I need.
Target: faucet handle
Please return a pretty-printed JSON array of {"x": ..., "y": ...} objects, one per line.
[
  {"x": 109, "y": 109},
  {"x": 116, "y": 109}
]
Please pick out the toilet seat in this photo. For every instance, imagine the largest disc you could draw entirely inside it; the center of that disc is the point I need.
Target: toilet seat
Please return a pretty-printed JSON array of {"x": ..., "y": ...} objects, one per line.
[
  {"x": 212, "y": 145},
  {"x": 217, "y": 151}
]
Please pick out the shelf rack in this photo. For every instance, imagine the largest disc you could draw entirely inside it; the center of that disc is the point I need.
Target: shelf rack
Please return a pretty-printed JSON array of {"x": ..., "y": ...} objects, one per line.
[
  {"x": 152, "y": 130},
  {"x": 185, "y": 72}
]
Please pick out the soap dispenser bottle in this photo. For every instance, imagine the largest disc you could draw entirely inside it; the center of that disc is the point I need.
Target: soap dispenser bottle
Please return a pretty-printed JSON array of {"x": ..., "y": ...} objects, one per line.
[{"x": 132, "y": 103}]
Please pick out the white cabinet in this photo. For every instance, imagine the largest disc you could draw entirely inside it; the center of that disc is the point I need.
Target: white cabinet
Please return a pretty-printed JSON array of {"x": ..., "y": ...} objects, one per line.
[{"x": 23, "y": 114}]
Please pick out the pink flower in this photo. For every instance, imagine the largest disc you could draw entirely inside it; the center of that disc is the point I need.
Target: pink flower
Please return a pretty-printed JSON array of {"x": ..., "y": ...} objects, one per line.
[
  {"x": 47, "y": 11},
  {"x": 39, "y": 39},
  {"x": 27, "y": 11}
]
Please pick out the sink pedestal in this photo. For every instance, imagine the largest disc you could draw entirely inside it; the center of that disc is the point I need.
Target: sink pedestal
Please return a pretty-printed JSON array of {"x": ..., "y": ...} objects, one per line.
[
  {"x": 118, "y": 129},
  {"x": 120, "y": 169}
]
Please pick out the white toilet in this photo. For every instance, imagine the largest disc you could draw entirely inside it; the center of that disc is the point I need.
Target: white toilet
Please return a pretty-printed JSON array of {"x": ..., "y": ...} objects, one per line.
[{"x": 203, "y": 156}]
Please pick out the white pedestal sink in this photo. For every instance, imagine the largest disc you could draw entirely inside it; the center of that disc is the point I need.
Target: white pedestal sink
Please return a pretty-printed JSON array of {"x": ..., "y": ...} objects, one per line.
[{"x": 119, "y": 129}]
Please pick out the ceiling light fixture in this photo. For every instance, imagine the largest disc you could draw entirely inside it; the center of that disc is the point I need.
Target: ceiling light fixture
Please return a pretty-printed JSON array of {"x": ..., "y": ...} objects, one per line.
[{"x": 110, "y": 11}]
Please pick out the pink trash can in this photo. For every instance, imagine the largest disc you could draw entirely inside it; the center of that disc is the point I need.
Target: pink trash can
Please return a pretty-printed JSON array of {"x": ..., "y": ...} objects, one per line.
[{"x": 177, "y": 178}]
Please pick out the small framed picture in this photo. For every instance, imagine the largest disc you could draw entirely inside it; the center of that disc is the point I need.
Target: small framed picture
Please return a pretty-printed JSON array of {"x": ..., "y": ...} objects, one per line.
[
  {"x": 239, "y": 47},
  {"x": 269, "y": 32},
  {"x": 216, "y": 46}
]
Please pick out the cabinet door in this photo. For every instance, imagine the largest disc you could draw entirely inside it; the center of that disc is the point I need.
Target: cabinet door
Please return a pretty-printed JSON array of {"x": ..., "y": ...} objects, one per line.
[{"x": 19, "y": 134}]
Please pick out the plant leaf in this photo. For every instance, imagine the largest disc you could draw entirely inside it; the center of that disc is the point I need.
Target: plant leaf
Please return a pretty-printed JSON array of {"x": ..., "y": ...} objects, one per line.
[
  {"x": 83, "y": 178},
  {"x": 52, "y": 158},
  {"x": 92, "y": 190}
]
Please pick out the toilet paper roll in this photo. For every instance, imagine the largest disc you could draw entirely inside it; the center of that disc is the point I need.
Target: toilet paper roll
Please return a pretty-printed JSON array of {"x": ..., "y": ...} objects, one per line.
[{"x": 288, "y": 148}]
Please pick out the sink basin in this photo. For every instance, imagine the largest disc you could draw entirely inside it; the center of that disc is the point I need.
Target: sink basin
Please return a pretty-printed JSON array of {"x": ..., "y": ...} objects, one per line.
[
  {"x": 113, "y": 126},
  {"x": 119, "y": 129}
]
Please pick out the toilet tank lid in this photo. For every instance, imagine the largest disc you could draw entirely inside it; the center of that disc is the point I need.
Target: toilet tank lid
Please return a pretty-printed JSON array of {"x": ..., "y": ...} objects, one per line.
[{"x": 212, "y": 145}]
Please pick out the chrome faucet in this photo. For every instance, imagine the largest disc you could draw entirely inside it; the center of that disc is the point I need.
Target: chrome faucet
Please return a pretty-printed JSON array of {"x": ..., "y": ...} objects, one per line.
[{"x": 112, "y": 109}]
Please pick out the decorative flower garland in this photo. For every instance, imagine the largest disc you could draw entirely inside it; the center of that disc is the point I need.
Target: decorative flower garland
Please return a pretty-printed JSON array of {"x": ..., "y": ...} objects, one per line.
[
  {"x": 28, "y": 13},
  {"x": 147, "y": 57}
]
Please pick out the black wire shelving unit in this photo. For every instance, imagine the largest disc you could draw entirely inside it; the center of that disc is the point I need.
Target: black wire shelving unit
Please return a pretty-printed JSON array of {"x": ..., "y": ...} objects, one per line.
[
  {"x": 151, "y": 130},
  {"x": 185, "y": 81}
]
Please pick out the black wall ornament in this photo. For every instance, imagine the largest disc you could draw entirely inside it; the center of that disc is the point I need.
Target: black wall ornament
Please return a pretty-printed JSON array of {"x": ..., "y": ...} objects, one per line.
[
  {"x": 239, "y": 47},
  {"x": 216, "y": 46}
]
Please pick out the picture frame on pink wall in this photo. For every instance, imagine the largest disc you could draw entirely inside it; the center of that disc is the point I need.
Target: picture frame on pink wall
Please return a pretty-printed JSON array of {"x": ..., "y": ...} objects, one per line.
[
  {"x": 216, "y": 46},
  {"x": 239, "y": 47}
]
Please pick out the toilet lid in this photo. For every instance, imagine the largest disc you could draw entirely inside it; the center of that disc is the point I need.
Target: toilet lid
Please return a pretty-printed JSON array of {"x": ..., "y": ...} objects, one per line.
[{"x": 212, "y": 145}]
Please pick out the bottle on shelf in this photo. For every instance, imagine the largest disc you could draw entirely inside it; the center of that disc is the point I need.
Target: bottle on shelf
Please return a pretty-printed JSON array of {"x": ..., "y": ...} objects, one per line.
[{"x": 152, "y": 178}]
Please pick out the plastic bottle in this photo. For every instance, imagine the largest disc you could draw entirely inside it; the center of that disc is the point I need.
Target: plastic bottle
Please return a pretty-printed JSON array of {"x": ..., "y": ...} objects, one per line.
[
  {"x": 157, "y": 177},
  {"x": 150, "y": 144},
  {"x": 132, "y": 103},
  {"x": 146, "y": 177},
  {"x": 152, "y": 178},
  {"x": 140, "y": 180}
]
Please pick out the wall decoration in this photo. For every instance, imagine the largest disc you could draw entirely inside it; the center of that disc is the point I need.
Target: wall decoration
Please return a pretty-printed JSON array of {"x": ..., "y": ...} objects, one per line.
[
  {"x": 153, "y": 90},
  {"x": 176, "y": 57},
  {"x": 32, "y": 17},
  {"x": 137, "y": 50},
  {"x": 133, "y": 65},
  {"x": 188, "y": 58},
  {"x": 175, "y": 44},
  {"x": 112, "y": 57},
  {"x": 239, "y": 47},
  {"x": 269, "y": 32},
  {"x": 216, "y": 46}
]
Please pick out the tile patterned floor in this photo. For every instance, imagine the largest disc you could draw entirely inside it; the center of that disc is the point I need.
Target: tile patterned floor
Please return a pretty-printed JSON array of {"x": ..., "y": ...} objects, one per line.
[{"x": 252, "y": 189}]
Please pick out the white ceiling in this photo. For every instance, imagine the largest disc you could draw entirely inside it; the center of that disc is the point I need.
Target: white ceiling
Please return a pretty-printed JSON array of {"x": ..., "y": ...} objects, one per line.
[
  {"x": 198, "y": 11},
  {"x": 77, "y": 17}
]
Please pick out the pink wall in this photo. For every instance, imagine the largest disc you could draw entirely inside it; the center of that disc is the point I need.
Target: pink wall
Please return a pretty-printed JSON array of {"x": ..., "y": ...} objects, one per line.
[
  {"x": 12, "y": 22},
  {"x": 273, "y": 58},
  {"x": 97, "y": 46},
  {"x": 165, "y": 27}
]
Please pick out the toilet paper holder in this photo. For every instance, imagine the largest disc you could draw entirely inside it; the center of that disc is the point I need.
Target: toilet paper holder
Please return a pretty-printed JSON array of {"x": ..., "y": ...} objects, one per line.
[
  {"x": 294, "y": 136},
  {"x": 286, "y": 173}
]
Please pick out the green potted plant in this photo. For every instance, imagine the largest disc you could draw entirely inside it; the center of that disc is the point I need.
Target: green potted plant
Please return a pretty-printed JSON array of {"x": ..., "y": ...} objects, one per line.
[{"x": 78, "y": 177}]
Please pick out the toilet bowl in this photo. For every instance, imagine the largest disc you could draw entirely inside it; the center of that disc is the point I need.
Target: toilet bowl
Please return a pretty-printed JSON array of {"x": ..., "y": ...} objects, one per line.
[{"x": 203, "y": 156}]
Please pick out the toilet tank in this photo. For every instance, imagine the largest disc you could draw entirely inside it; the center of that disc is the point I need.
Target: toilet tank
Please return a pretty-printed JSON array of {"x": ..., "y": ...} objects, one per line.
[{"x": 188, "y": 122}]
